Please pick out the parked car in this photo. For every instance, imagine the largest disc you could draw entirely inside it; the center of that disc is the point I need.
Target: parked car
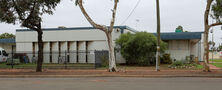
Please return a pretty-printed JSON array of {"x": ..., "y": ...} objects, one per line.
[{"x": 3, "y": 55}]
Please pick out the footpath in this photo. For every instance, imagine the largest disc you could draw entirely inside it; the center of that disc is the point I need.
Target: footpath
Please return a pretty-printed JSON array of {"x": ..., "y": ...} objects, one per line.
[{"x": 28, "y": 73}]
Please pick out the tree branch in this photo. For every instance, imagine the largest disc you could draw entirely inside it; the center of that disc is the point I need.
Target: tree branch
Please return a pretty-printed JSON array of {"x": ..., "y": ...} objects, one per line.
[
  {"x": 18, "y": 10},
  {"x": 103, "y": 28},
  {"x": 113, "y": 16},
  {"x": 216, "y": 24}
]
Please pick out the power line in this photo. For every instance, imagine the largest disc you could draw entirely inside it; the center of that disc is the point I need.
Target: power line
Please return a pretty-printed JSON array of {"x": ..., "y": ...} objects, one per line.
[{"x": 138, "y": 2}]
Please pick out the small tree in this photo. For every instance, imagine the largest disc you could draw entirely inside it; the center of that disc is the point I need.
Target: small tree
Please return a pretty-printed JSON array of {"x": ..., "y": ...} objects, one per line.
[
  {"x": 29, "y": 14},
  {"x": 216, "y": 7},
  {"x": 139, "y": 48},
  {"x": 6, "y": 36},
  {"x": 179, "y": 29},
  {"x": 108, "y": 31}
]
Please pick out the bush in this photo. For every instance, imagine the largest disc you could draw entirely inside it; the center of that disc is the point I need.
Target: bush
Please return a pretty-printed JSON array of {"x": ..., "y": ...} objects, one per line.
[
  {"x": 104, "y": 61},
  {"x": 184, "y": 65},
  {"x": 139, "y": 48},
  {"x": 165, "y": 59},
  {"x": 177, "y": 63}
]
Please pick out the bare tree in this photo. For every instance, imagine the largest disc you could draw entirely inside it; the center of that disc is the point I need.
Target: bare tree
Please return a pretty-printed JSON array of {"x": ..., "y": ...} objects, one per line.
[
  {"x": 216, "y": 7},
  {"x": 108, "y": 31}
]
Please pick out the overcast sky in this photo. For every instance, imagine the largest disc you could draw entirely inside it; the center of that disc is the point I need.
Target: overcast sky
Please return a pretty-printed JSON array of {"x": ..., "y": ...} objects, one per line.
[{"x": 187, "y": 13}]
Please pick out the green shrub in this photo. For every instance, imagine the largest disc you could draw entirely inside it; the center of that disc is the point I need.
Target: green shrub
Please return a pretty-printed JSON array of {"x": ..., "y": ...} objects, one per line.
[
  {"x": 184, "y": 65},
  {"x": 139, "y": 48},
  {"x": 165, "y": 59},
  {"x": 177, "y": 63}
]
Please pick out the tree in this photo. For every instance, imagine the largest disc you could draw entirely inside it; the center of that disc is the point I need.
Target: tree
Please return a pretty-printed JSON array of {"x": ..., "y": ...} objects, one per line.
[
  {"x": 108, "y": 31},
  {"x": 7, "y": 36},
  {"x": 29, "y": 14},
  {"x": 179, "y": 29},
  {"x": 216, "y": 7},
  {"x": 139, "y": 48}
]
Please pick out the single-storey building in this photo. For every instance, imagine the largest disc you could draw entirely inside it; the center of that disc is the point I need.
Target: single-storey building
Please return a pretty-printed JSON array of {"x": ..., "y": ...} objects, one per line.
[
  {"x": 7, "y": 44},
  {"x": 79, "y": 43},
  {"x": 184, "y": 44}
]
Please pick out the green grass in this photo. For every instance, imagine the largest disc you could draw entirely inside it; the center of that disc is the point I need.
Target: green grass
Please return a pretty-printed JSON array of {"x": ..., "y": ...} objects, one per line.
[
  {"x": 217, "y": 65},
  {"x": 217, "y": 61},
  {"x": 198, "y": 66}
]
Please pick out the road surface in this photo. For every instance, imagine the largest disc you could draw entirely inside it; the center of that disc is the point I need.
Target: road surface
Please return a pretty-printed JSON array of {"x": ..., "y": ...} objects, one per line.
[{"x": 110, "y": 83}]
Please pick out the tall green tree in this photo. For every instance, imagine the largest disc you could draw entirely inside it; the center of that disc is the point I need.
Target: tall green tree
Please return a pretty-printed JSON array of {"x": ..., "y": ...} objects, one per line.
[
  {"x": 108, "y": 31},
  {"x": 6, "y": 36},
  {"x": 29, "y": 14},
  {"x": 214, "y": 6}
]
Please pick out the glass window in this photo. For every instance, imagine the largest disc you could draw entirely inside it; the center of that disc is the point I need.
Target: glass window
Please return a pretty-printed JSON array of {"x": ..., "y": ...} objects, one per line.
[{"x": 4, "y": 53}]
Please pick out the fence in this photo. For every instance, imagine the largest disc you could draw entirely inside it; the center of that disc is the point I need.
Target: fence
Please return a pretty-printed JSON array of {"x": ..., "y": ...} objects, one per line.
[{"x": 56, "y": 60}]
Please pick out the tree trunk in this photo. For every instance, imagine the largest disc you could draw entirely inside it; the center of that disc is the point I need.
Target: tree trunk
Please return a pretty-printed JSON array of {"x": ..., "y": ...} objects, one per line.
[
  {"x": 206, "y": 32},
  {"x": 206, "y": 50},
  {"x": 108, "y": 31},
  {"x": 40, "y": 52},
  {"x": 112, "y": 61}
]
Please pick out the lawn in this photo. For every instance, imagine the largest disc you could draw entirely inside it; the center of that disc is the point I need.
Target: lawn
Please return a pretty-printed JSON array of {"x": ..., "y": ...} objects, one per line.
[
  {"x": 198, "y": 66},
  {"x": 217, "y": 61},
  {"x": 217, "y": 65}
]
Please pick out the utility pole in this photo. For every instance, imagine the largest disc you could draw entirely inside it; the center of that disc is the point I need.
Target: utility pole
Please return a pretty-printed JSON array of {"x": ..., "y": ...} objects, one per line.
[
  {"x": 158, "y": 35},
  {"x": 213, "y": 44}
]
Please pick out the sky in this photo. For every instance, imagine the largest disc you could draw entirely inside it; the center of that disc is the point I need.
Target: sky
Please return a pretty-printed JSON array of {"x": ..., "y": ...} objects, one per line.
[{"x": 187, "y": 13}]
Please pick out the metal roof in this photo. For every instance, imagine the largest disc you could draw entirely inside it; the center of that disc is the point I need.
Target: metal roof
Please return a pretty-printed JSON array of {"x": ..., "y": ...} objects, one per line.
[
  {"x": 10, "y": 40},
  {"x": 180, "y": 35},
  {"x": 76, "y": 28}
]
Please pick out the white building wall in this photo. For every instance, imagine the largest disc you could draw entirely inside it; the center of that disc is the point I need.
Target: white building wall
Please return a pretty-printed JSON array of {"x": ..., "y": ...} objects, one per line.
[
  {"x": 36, "y": 49},
  {"x": 90, "y": 52},
  {"x": 202, "y": 48},
  {"x": 55, "y": 52},
  {"x": 179, "y": 49},
  {"x": 46, "y": 52},
  {"x": 72, "y": 52},
  {"x": 82, "y": 52},
  {"x": 64, "y": 48}
]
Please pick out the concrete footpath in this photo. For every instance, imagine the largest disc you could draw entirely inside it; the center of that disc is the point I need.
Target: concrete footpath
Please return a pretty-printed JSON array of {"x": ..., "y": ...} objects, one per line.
[{"x": 20, "y": 73}]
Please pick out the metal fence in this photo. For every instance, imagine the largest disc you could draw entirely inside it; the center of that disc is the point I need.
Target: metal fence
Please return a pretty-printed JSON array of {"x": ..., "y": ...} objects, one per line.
[{"x": 56, "y": 60}]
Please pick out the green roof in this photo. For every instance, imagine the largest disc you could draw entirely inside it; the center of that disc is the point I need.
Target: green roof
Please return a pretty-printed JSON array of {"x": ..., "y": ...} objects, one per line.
[
  {"x": 77, "y": 28},
  {"x": 10, "y": 40},
  {"x": 180, "y": 35}
]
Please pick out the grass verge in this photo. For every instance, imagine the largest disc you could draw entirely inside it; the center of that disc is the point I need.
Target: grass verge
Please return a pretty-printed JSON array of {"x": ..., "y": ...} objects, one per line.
[{"x": 217, "y": 65}]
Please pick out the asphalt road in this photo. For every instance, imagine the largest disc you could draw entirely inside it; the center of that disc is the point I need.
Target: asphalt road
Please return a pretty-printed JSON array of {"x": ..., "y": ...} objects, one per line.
[{"x": 110, "y": 83}]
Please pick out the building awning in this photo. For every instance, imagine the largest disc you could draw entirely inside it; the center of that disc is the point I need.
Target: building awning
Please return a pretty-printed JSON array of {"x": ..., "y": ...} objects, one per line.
[
  {"x": 10, "y": 40},
  {"x": 180, "y": 35}
]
